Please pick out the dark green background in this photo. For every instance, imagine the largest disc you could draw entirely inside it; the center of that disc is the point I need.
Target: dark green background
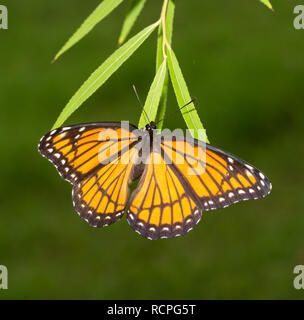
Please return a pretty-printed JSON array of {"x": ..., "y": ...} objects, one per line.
[{"x": 244, "y": 63}]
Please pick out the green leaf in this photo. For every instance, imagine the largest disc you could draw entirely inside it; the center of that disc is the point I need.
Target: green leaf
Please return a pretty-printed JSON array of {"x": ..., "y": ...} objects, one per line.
[
  {"x": 134, "y": 11},
  {"x": 267, "y": 4},
  {"x": 182, "y": 95},
  {"x": 153, "y": 97},
  {"x": 105, "y": 8},
  {"x": 159, "y": 59},
  {"x": 101, "y": 75}
]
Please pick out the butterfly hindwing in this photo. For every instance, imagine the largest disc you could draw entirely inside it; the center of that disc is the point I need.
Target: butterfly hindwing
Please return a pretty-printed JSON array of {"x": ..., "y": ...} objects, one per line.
[
  {"x": 101, "y": 198},
  {"x": 160, "y": 206}
]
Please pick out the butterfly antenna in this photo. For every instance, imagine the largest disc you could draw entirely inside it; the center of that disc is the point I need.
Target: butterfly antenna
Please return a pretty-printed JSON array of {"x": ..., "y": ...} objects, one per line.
[
  {"x": 138, "y": 99},
  {"x": 170, "y": 114}
]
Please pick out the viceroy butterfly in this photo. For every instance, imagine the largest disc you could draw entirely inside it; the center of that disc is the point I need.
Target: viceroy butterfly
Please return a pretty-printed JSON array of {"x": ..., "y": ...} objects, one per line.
[{"x": 171, "y": 194}]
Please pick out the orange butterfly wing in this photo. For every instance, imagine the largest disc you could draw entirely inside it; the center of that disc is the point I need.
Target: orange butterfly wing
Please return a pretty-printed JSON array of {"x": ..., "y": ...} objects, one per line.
[
  {"x": 185, "y": 178},
  {"x": 78, "y": 150},
  {"x": 161, "y": 206},
  {"x": 101, "y": 198},
  {"x": 217, "y": 177},
  {"x": 96, "y": 159}
]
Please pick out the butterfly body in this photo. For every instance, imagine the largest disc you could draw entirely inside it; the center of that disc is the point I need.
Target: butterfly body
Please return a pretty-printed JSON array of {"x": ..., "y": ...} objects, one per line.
[{"x": 180, "y": 177}]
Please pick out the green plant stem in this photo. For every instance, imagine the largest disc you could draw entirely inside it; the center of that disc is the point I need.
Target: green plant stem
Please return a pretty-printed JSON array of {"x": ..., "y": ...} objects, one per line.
[{"x": 160, "y": 57}]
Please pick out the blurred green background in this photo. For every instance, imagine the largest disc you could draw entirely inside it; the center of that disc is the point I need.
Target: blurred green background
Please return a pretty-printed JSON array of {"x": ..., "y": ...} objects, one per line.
[{"x": 245, "y": 65}]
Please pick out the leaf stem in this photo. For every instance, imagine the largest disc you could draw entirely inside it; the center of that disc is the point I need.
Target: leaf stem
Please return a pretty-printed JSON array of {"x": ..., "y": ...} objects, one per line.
[{"x": 163, "y": 22}]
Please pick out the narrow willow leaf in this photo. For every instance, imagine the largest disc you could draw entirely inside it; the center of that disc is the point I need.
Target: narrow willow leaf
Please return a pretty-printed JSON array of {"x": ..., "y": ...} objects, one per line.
[
  {"x": 267, "y": 4},
  {"x": 134, "y": 11},
  {"x": 101, "y": 75},
  {"x": 162, "y": 103},
  {"x": 182, "y": 95},
  {"x": 153, "y": 97},
  {"x": 104, "y": 9},
  {"x": 159, "y": 58}
]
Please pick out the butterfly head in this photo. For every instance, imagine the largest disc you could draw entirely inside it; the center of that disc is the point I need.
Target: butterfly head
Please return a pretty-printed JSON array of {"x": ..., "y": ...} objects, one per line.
[{"x": 150, "y": 126}]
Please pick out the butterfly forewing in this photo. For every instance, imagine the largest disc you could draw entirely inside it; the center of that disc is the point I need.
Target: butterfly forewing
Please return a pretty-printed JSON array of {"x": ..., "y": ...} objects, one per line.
[
  {"x": 79, "y": 150},
  {"x": 218, "y": 178}
]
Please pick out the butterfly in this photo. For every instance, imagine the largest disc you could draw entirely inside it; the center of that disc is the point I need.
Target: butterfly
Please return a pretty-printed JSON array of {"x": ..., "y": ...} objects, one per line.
[{"x": 179, "y": 177}]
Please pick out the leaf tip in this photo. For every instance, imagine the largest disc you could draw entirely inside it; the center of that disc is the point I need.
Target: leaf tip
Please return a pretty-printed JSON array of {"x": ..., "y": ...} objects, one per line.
[
  {"x": 55, "y": 58},
  {"x": 267, "y": 4},
  {"x": 120, "y": 42}
]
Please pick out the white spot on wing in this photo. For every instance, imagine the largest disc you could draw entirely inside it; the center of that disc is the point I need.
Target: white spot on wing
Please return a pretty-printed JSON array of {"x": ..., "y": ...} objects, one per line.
[
  {"x": 249, "y": 167},
  {"x": 131, "y": 216},
  {"x": 189, "y": 220},
  {"x": 230, "y": 160}
]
